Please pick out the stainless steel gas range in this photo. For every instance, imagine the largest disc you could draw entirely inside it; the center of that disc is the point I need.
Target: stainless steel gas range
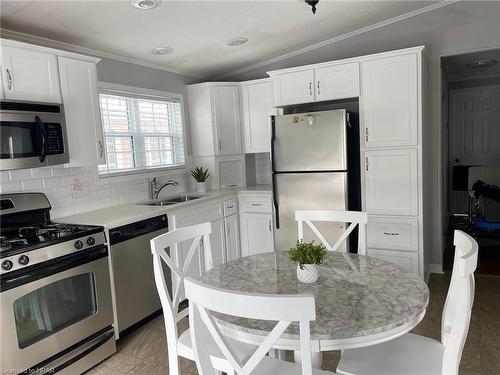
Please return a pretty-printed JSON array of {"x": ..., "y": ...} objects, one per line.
[{"x": 55, "y": 294}]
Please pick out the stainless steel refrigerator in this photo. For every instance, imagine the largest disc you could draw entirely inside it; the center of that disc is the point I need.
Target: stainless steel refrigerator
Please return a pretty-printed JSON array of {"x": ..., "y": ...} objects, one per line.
[{"x": 315, "y": 165}]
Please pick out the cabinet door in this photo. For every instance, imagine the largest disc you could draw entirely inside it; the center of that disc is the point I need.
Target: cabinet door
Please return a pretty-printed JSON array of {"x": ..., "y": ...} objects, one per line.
[
  {"x": 226, "y": 107},
  {"x": 256, "y": 234},
  {"x": 408, "y": 261},
  {"x": 391, "y": 182},
  {"x": 217, "y": 242},
  {"x": 389, "y": 101},
  {"x": 81, "y": 107},
  {"x": 293, "y": 87},
  {"x": 30, "y": 75},
  {"x": 256, "y": 109},
  {"x": 337, "y": 81},
  {"x": 232, "y": 237}
]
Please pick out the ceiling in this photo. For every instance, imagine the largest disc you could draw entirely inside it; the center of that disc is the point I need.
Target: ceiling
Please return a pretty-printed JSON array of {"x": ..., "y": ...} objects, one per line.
[
  {"x": 197, "y": 30},
  {"x": 456, "y": 66}
]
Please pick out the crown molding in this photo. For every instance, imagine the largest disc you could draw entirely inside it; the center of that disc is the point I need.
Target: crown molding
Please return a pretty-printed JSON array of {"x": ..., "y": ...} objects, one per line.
[
  {"x": 335, "y": 39},
  {"x": 46, "y": 42}
]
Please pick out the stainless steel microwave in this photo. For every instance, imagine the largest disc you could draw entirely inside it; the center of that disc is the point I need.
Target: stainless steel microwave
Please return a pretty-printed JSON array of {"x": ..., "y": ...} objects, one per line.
[{"x": 32, "y": 135}]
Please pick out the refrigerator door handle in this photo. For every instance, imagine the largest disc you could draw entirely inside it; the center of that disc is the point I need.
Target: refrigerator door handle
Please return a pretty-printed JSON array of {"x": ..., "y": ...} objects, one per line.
[{"x": 275, "y": 203}]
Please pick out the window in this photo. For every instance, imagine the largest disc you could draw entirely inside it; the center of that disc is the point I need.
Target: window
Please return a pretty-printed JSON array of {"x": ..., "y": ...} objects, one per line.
[{"x": 141, "y": 132}]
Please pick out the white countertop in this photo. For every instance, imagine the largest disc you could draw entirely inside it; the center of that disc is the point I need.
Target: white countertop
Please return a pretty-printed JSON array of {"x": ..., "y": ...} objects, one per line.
[{"x": 112, "y": 217}]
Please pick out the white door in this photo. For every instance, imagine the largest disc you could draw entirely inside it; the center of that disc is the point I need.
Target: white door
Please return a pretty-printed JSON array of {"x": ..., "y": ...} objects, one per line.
[
  {"x": 389, "y": 101},
  {"x": 232, "y": 237},
  {"x": 256, "y": 234},
  {"x": 226, "y": 114},
  {"x": 337, "y": 81},
  {"x": 30, "y": 75},
  {"x": 474, "y": 131},
  {"x": 293, "y": 87},
  {"x": 391, "y": 182},
  {"x": 81, "y": 107},
  {"x": 256, "y": 109},
  {"x": 217, "y": 242}
]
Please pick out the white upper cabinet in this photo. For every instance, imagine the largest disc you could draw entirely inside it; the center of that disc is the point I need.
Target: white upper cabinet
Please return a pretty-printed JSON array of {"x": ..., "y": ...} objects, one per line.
[
  {"x": 81, "y": 107},
  {"x": 30, "y": 75},
  {"x": 293, "y": 87},
  {"x": 227, "y": 119},
  {"x": 256, "y": 109},
  {"x": 391, "y": 182},
  {"x": 214, "y": 112},
  {"x": 338, "y": 81},
  {"x": 389, "y": 101}
]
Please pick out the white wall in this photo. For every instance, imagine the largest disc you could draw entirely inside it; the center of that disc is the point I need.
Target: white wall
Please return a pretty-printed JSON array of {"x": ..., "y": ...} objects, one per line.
[{"x": 460, "y": 27}]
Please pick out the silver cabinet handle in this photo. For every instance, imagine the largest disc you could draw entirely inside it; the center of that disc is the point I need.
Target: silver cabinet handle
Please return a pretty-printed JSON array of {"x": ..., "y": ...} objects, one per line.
[
  {"x": 366, "y": 163},
  {"x": 9, "y": 79},
  {"x": 256, "y": 204},
  {"x": 101, "y": 149},
  {"x": 270, "y": 226},
  {"x": 366, "y": 134},
  {"x": 220, "y": 145},
  {"x": 391, "y": 234},
  {"x": 229, "y": 207},
  {"x": 319, "y": 92},
  {"x": 310, "y": 88}
]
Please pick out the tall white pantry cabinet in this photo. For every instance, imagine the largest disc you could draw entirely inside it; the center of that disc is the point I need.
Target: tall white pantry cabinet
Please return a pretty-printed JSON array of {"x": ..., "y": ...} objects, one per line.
[{"x": 389, "y": 88}]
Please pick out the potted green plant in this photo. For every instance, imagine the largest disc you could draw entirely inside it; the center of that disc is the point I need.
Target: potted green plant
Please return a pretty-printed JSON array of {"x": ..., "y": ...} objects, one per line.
[
  {"x": 307, "y": 255},
  {"x": 200, "y": 175}
]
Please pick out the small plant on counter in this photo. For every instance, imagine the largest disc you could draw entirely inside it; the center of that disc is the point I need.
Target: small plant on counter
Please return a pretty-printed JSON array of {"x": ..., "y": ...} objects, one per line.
[
  {"x": 307, "y": 255},
  {"x": 200, "y": 174}
]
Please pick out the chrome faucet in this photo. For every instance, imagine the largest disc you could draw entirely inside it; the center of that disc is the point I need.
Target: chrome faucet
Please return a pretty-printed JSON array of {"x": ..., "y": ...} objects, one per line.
[{"x": 154, "y": 190}]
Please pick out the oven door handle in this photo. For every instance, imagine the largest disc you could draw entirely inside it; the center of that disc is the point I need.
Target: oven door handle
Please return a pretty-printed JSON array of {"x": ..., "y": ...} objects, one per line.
[
  {"x": 39, "y": 271},
  {"x": 43, "y": 134}
]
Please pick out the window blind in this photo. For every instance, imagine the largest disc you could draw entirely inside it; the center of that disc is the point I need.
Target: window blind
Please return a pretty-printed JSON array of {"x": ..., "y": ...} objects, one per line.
[{"x": 141, "y": 133}]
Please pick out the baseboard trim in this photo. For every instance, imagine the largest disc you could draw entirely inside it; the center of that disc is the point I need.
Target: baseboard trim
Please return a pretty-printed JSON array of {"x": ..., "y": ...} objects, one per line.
[{"x": 434, "y": 268}]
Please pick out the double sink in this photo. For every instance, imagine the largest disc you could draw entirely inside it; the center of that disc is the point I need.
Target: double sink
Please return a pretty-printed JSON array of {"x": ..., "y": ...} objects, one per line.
[{"x": 172, "y": 200}]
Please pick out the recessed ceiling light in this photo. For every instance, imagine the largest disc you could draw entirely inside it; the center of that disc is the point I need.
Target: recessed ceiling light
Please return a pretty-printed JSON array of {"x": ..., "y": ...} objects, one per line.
[
  {"x": 237, "y": 41},
  {"x": 482, "y": 63},
  {"x": 145, "y": 4},
  {"x": 162, "y": 50}
]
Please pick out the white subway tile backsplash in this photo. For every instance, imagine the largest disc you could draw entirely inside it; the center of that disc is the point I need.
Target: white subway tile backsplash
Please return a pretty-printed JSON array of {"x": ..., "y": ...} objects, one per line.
[
  {"x": 41, "y": 172},
  {"x": 20, "y": 174},
  {"x": 56, "y": 183},
  {"x": 52, "y": 182},
  {"x": 34, "y": 184}
]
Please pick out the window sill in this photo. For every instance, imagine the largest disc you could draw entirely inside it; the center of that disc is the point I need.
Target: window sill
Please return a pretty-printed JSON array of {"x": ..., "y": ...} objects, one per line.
[{"x": 140, "y": 171}]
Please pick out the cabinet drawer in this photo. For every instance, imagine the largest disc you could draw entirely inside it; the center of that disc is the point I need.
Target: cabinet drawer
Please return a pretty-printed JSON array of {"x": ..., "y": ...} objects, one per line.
[
  {"x": 408, "y": 261},
  {"x": 230, "y": 207},
  {"x": 392, "y": 233},
  {"x": 256, "y": 204}
]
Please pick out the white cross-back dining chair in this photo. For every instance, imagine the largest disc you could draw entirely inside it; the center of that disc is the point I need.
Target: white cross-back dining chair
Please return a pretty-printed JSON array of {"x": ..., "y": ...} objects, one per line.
[
  {"x": 354, "y": 218},
  {"x": 200, "y": 241},
  {"x": 412, "y": 354},
  {"x": 205, "y": 300}
]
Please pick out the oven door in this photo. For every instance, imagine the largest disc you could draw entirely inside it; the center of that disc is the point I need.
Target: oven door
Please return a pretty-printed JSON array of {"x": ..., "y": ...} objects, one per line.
[
  {"x": 32, "y": 140},
  {"x": 49, "y": 307}
]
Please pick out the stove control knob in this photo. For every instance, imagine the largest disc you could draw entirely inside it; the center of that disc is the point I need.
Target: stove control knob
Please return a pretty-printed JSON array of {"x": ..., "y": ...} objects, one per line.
[
  {"x": 6, "y": 265},
  {"x": 23, "y": 260},
  {"x": 78, "y": 245},
  {"x": 90, "y": 241}
]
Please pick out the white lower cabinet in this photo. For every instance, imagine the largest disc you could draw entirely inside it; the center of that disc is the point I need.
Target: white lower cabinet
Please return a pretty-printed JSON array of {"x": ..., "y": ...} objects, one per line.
[
  {"x": 232, "y": 231},
  {"x": 406, "y": 260},
  {"x": 256, "y": 233},
  {"x": 217, "y": 242}
]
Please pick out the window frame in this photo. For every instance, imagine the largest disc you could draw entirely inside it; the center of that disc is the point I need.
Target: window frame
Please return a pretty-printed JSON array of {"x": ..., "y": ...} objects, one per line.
[{"x": 141, "y": 93}]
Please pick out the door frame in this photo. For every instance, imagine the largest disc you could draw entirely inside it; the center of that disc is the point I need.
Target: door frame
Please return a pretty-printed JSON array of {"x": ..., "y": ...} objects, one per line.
[{"x": 442, "y": 165}]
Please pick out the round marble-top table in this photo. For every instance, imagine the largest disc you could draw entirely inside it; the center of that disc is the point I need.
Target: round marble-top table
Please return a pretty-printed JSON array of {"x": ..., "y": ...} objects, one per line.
[{"x": 360, "y": 301}]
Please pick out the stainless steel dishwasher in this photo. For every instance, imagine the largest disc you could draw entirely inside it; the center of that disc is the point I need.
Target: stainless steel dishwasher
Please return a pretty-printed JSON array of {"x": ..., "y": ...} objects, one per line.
[{"x": 135, "y": 295}]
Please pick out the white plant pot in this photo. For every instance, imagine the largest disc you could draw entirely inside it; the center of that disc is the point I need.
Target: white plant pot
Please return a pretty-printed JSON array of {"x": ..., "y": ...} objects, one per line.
[
  {"x": 309, "y": 273},
  {"x": 201, "y": 187}
]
